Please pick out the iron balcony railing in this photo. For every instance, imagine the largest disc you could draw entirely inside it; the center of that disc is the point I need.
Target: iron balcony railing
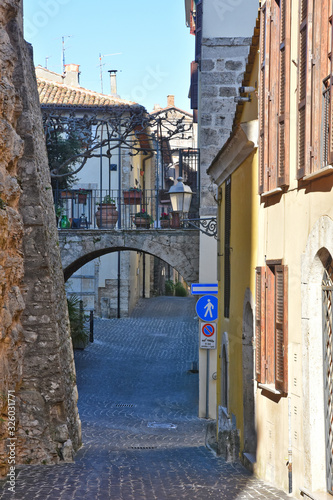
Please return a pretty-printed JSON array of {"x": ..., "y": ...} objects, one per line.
[{"x": 111, "y": 209}]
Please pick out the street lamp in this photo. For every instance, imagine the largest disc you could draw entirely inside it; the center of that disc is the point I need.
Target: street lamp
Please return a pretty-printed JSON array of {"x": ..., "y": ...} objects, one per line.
[{"x": 180, "y": 197}]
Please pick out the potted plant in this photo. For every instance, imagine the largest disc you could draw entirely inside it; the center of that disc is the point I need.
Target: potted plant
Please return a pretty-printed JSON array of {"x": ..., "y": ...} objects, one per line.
[
  {"x": 132, "y": 196},
  {"x": 82, "y": 196},
  {"x": 66, "y": 194},
  {"x": 107, "y": 213},
  {"x": 77, "y": 319},
  {"x": 164, "y": 220},
  {"x": 58, "y": 211},
  {"x": 143, "y": 219}
]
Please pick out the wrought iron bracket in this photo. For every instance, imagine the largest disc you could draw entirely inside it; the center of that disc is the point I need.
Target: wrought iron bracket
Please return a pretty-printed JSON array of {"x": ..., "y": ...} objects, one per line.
[{"x": 207, "y": 225}]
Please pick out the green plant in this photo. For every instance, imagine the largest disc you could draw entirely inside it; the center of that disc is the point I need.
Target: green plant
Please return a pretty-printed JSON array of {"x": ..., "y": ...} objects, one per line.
[
  {"x": 180, "y": 291},
  {"x": 79, "y": 332},
  {"x": 108, "y": 200},
  {"x": 63, "y": 150},
  {"x": 169, "y": 287},
  {"x": 144, "y": 215},
  {"x": 2, "y": 204},
  {"x": 137, "y": 190},
  {"x": 58, "y": 210}
]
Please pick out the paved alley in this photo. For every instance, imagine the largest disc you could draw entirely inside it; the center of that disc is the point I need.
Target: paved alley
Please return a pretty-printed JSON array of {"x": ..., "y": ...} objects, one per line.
[{"x": 138, "y": 406}]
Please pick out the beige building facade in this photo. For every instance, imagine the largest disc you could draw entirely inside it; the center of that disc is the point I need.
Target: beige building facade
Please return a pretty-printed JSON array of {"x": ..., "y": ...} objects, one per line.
[{"x": 293, "y": 322}]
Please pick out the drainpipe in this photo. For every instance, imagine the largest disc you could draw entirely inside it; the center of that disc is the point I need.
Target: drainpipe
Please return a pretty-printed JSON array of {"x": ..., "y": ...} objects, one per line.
[{"x": 290, "y": 453}]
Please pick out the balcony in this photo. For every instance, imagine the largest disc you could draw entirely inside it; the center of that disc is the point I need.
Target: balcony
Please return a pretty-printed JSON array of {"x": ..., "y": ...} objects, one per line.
[{"x": 125, "y": 210}]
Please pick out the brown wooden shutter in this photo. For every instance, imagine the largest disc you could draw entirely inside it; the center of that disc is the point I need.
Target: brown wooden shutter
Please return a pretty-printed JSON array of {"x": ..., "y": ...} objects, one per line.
[
  {"x": 260, "y": 324},
  {"x": 302, "y": 87},
  {"x": 198, "y": 31},
  {"x": 272, "y": 55},
  {"x": 194, "y": 85},
  {"x": 281, "y": 328},
  {"x": 283, "y": 121},
  {"x": 262, "y": 102},
  {"x": 330, "y": 56}
]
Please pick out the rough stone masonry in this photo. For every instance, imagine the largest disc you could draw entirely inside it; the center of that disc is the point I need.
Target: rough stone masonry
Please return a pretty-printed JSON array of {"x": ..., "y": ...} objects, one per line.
[{"x": 36, "y": 355}]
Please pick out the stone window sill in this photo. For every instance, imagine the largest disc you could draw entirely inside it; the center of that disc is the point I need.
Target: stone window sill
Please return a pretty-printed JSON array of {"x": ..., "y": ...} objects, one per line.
[
  {"x": 319, "y": 173},
  {"x": 272, "y": 192},
  {"x": 269, "y": 388}
]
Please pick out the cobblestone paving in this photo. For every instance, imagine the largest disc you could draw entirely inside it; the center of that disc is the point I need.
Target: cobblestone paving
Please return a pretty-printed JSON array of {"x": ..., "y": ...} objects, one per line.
[{"x": 138, "y": 406}]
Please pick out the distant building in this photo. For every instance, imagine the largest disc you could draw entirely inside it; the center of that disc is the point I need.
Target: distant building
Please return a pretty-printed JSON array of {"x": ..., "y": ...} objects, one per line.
[{"x": 99, "y": 282}]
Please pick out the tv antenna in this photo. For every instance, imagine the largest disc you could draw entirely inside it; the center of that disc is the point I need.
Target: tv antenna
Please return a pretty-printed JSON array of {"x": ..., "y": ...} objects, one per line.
[
  {"x": 101, "y": 66},
  {"x": 63, "y": 51}
]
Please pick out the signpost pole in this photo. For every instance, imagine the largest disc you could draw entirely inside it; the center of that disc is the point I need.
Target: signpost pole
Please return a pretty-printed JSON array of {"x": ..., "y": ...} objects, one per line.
[{"x": 207, "y": 386}]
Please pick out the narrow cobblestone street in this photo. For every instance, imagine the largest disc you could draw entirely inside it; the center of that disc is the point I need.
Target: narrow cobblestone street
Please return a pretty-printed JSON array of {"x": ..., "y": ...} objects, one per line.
[{"x": 138, "y": 407}]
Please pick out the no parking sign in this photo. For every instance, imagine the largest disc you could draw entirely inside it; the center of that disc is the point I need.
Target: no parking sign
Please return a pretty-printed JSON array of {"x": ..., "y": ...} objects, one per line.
[{"x": 207, "y": 335}]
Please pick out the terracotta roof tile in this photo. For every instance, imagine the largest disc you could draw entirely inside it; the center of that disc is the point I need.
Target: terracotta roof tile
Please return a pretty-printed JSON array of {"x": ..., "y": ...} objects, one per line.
[{"x": 59, "y": 93}]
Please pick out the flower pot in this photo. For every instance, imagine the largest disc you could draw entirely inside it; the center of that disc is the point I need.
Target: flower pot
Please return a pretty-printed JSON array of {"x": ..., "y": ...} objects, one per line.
[
  {"x": 82, "y": 198},
  {"x": 106, "y": 216},
  {"x": 66, "y": 195},
  {"x": 164, "y": 223},
  {"x": 142, "y": 222},
  {"x": 132, "y": 197}
]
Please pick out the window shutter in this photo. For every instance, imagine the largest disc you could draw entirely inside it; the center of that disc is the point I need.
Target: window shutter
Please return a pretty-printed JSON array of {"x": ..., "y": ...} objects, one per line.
[
  {"x": 330, "y": 56},
  {"x": 198, "y": 31},
  {"x": 302, "y": 87},
  {"x": 227, "y": 231},
  {"x": 194, "y": 85},
  {"x": 283, "y": 121},
  {"x": 281, "y": 328},
  {"x": 260, "y": 329},
  {"x": 262, "y": 102}
]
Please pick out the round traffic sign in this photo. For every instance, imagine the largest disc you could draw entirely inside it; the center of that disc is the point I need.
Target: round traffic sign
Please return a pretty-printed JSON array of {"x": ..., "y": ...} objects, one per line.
[
  {"x": 208, "y": 329},
  {"x": 207, "y": 308}
]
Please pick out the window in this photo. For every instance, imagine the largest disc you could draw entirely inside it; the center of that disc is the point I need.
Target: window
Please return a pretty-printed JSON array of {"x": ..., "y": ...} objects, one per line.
[
  {"x": 274, "y": 95},
  {"x": 315, "y": 113},
  {"x": 272, "y": 326}
]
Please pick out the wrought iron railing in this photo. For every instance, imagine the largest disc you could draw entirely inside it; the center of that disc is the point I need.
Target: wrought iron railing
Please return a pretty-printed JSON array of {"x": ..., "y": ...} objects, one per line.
[{"x": 111, "y": 209}]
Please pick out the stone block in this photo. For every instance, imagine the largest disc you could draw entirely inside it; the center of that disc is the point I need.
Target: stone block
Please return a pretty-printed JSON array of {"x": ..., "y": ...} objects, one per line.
[
  {"x": 207, "y": 65},
  {"x": 209, "y": 91},
  {"x": 227, "y": 91},
  {"x": 234, "y": 65}
]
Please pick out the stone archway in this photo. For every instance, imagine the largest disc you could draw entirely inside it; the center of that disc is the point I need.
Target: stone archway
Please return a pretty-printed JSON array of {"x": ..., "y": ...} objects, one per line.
[
  {"x": 319, "y": 246},
  {"x": 179, "y": 248}
]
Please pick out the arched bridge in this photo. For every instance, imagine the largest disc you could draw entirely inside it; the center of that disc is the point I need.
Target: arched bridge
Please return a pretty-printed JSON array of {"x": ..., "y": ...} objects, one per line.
[{"x": 177, "y": 247}]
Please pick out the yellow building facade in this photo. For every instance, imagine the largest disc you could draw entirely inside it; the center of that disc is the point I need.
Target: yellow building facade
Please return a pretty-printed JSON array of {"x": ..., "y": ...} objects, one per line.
[{"x": 234, "y": 171}]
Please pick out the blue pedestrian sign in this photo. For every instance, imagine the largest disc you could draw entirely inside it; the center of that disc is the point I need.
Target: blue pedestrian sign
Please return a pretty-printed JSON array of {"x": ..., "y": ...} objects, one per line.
[
  {"x": 204, "y": 288},
  {"x": 207, "y": 308}
]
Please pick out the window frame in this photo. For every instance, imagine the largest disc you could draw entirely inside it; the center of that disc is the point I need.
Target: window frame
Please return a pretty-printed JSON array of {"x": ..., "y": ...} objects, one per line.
[{"x": 271, "y": 326}]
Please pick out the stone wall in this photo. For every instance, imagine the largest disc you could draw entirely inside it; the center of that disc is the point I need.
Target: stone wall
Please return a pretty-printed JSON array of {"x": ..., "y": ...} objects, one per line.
[
  {"x": 36, "y": 355},
  {"x": 222, "y": 71}
]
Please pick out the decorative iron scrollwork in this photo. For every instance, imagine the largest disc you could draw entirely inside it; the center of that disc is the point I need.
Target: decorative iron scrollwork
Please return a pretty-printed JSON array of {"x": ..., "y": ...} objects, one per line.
[{"x": 207, "y": 226}]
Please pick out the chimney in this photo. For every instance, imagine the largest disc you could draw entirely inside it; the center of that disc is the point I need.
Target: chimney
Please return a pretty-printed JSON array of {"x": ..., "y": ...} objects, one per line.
[
  {"x": 72, "y": 75},
  {"x": 113, "y": 82},
  {"x": 171, "y": 101}
]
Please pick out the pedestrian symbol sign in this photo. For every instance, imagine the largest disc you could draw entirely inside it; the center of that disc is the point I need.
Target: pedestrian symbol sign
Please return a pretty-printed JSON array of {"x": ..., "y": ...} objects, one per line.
[
  {"x": 207, "y": 335},
  {"x": 207, "y": 308}
]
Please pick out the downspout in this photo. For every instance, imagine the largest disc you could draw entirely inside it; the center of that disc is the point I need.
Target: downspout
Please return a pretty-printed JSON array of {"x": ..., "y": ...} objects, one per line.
[
  {"x": 148, "y": 157},
  {"x": 290, "y": 453}
]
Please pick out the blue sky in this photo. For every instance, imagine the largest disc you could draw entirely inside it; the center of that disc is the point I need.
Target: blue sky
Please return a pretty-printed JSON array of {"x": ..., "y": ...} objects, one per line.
[{"x": 155, "y": 45}]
